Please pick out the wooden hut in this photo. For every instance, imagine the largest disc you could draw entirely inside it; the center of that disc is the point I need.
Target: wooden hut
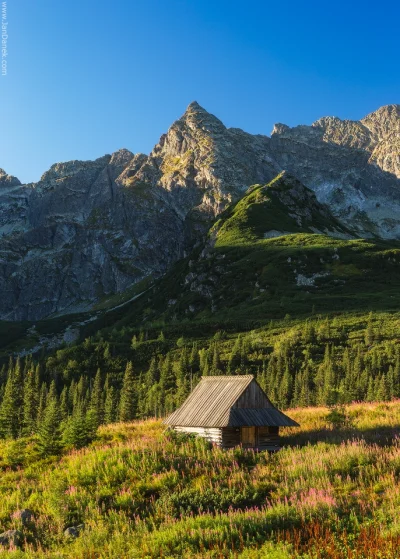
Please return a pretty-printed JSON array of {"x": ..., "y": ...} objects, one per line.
[{"x": 231, "y": 411}]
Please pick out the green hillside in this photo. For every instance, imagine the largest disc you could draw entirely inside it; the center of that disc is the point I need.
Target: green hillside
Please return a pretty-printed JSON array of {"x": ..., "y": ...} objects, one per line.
[
  {"x": 138, "y": 492},
  {"x": 279, "y": 290},
  {"x": 313, "y": 316},
  {"x": 276, "y": 252}
]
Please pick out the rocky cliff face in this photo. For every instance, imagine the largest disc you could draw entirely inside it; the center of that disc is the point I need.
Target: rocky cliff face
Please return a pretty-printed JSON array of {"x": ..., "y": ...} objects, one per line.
[
  {"x": 352, "y": 166},
  {"x": 91, "y": 228}
]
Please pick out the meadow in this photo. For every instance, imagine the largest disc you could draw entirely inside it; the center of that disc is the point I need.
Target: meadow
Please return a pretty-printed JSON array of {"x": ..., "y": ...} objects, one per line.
[{"x": 333, "y": 491}]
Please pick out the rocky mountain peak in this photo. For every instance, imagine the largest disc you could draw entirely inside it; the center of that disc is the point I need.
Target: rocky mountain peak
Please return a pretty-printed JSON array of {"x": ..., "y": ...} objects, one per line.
[
  {"x": 92, "y": 228},
  {"x": 196, "y": 117},
  {"x": 70, "y": 168},
  {"x": 121, "y": 157},
  {"x": 383, "y": 122},
  {"x": 8, "y": 180}
]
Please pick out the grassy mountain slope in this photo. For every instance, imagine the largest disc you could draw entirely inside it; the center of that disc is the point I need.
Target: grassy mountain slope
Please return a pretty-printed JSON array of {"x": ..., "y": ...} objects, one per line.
[
  {"x": 143, "y": 493},
  {"x": 276, "y": 252}
]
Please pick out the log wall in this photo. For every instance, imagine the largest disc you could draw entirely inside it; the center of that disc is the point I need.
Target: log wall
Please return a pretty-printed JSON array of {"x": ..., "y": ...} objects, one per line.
[
  {"x": 212, "y": 434},
  {"x": 267, "y": 438}
]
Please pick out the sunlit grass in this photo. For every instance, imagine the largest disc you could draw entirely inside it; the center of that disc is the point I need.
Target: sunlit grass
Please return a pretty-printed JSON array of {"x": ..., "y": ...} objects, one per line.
[{"x": 143, "y": 492}]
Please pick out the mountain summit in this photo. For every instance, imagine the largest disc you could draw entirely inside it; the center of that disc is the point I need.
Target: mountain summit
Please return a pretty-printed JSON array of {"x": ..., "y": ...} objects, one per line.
[{"x": 89, "y": 229}]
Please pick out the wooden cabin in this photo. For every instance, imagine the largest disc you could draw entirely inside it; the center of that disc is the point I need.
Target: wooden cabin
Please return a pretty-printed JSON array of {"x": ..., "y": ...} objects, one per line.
[{"x": 231, "y": 411}]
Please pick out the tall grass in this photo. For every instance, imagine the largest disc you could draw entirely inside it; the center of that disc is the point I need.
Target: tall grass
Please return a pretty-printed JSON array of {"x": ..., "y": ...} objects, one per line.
[{"x": 144, "y": 493}]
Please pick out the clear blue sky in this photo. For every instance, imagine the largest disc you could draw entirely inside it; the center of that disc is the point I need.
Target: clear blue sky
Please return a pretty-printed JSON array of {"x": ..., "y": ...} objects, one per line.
[{"x": 87, "y": 77}]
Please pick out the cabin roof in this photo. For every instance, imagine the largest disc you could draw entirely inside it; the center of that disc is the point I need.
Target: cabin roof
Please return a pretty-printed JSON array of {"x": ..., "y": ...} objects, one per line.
[{"x": 210, "y": 405}]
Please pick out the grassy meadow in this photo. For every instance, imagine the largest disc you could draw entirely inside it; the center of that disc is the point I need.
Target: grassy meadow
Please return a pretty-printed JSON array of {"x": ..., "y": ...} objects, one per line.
[{"x": 332, "y": 492}]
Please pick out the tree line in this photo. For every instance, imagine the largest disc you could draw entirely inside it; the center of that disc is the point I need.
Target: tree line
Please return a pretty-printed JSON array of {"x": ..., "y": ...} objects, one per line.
[{"x": 63, "y": 399}]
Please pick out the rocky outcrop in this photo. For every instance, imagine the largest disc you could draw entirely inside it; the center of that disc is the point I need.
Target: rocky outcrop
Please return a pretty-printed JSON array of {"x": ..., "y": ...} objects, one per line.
[
  {"x": 88, "y": 229},
  {"x": 73, "y": 532},
  {"x": 352, "y": 166},
  {"x": 91, "y": 228},
  {"x": 202, "y": 164},
  {"x": 78, "y": 235},
  {"x": 11, "y": 539}
]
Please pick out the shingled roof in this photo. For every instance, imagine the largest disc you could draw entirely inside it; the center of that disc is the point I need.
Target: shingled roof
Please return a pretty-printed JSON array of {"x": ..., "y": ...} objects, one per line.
[{"x": 211, "y": 404}]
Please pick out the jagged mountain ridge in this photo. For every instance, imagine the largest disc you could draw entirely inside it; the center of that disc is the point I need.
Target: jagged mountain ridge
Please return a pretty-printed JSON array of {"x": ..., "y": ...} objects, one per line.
[
  {"x": 354, "y": 166},
  {"x": 88, "y": 229}
]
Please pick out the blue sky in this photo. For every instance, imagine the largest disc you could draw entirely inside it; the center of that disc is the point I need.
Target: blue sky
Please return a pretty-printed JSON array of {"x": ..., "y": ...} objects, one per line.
[{"x": 87, "y": 77}]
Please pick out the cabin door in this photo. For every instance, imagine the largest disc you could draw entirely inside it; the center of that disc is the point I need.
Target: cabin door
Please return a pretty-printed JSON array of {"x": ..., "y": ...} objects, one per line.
[{"x": 248, "y": 437}]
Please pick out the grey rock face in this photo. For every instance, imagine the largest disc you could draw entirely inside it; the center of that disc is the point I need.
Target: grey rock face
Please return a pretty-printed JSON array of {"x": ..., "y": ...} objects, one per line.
[
  {"x": 203, "y": 165},
  {"x": 88, "y": 229},
  {"x": 92, "y": 228},
  {"x": 352, "y": 166},
  {"x": 79, "y": 234}
]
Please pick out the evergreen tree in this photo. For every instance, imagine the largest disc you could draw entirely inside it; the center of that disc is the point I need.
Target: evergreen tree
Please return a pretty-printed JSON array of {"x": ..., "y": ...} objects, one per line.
[
  {"x": 31, "y": 402},
  {"x": 49, "y": 434},
  {"x": 78, "y": 431},
  {"x": 216, "y": 368},
  {"x": 96, "y": 406},
  {"x": 11, "y": 410},
  {"x": 128, "y": 400},
  {"x": 42, "y": 403},
  {"x": 168, "y": 384},
  {"x": 235, "y": 357},
  {"x": 64, "y": 404},
  {"x": 110, "y": 407},
  {"x": 369, "y": 332}
]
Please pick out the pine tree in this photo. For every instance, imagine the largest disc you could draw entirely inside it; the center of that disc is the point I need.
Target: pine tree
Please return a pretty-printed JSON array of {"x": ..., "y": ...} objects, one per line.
[
  {"x": 78, "y": 432},
  {"x": 128, "y": 401},
  {"x": 42, "y": 403},
  {"x": 161, "y": 337},
  {"x": 110, "y": 407},
  {"x": 216, "y": 362},
  {"x": 49, "y": 434},
  {"x": 11, "y": 410},
  {"x": 194, "y": 363},
  {"x": 31, "y": 402},
  {"x": 134, "y": 342},
  {"x": 168, "y": 384},
  {"x": 369, "y": 332},
  {"x": 285, "y": 391},
  {"x": 382, "y": 388},
  {"x": 152, "y": 375},
  {"x": 64, "y": 404},
  {"x": 235, "y": 357},
  {"x": 370, "y": 390},
  {"x": 96, "y": 406},
  {"x": 182, "y": 377}
]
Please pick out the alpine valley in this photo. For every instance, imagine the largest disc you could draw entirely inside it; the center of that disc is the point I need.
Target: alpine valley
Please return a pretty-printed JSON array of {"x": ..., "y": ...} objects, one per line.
[
  {"x": 91, "y": 229},
  {"x": 126, "y": 279}
]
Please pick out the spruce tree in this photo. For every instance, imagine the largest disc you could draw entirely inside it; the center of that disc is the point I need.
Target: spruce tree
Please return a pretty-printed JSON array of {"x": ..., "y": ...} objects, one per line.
[
  {"x": 11, "y": 410},
  {"x": 42, "y": 403},
  {"x": 369, "y": 332},
  {"x": 96, "y": 401},
  {"x": 64, "y": 404},
  {"x": 216, "y": 362},
  {"x": 31, "y": 402},
  {"x": 128, "y": 401},
  {"x": 49, "y": 434},
  {"x": 78, "y": 432},
  {"x": 110, "y": 412}
]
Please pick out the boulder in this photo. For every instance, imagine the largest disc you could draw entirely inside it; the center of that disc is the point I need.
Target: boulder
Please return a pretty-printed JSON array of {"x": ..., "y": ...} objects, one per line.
[
  {"x": 73, "y": 532},
  {"x": 24, "y": 515},
  {"x": 11, "y": 538}
]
